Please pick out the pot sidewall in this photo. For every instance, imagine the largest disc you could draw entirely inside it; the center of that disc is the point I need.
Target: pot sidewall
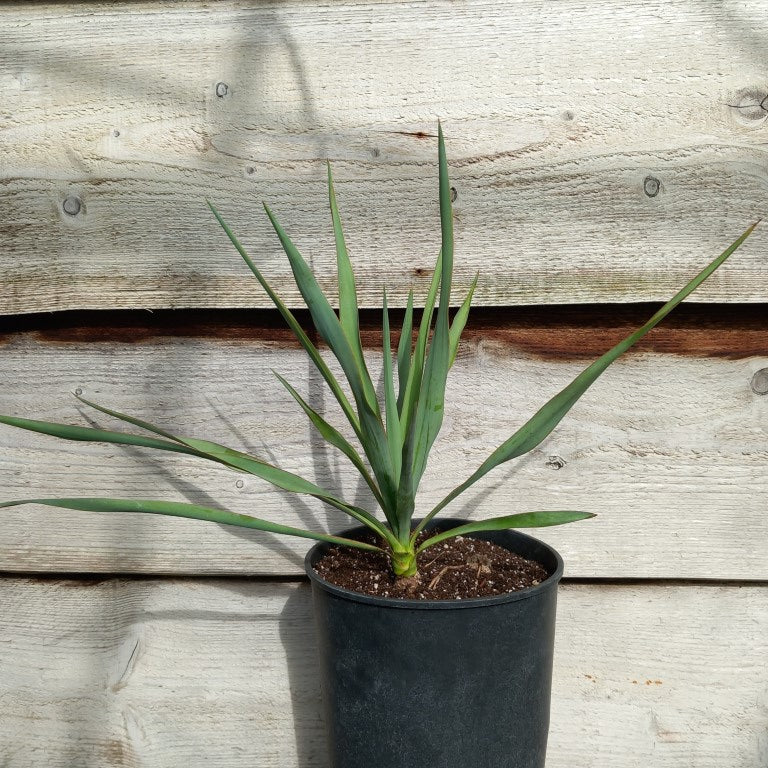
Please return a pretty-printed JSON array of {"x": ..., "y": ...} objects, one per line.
[{"x": 449, "y": 683}]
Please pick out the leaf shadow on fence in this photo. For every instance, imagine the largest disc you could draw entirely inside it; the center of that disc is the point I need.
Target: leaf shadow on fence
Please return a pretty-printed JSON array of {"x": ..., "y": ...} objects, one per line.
[{"x": 300, "y": 657}]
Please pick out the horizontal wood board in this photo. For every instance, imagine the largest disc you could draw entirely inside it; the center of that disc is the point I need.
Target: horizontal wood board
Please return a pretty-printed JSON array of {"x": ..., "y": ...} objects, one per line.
[
  {"x": 164, "y": 674},
  {"x": 600, "y": 152},
  {"x": 668, "y": 447}
]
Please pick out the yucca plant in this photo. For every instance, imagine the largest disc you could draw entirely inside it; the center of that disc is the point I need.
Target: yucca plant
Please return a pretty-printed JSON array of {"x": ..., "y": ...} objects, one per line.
[{"x": 395, "y": 432}]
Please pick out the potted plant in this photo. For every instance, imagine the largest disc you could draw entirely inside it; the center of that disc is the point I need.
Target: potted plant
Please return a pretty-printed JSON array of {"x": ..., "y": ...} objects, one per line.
[{"x": 416, "y": 671}]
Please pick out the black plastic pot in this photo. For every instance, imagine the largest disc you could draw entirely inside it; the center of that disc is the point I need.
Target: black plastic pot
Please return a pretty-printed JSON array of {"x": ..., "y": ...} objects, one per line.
[{"x": 438, "y": 683}]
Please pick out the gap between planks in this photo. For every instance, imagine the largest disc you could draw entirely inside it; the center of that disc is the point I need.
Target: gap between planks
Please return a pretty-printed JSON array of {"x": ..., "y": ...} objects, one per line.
[
  {"x": 563, "y": 332},
  {"x": 88, "y": 579}
]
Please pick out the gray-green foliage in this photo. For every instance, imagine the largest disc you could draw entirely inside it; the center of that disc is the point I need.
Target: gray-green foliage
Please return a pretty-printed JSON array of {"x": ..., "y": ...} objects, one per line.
[{"x": 395, "y": 435}]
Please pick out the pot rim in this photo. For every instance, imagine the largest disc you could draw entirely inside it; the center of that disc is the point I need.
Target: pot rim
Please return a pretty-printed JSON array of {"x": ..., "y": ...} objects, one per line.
[{"x": 549, "y": 583}]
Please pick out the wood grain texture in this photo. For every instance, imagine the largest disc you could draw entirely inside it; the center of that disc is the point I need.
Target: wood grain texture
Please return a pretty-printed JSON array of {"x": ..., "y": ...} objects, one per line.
[
  {"x": 600, "y": 159},
  {"x": 165, "y": 674},
  {"x": 668, "y": 448}
]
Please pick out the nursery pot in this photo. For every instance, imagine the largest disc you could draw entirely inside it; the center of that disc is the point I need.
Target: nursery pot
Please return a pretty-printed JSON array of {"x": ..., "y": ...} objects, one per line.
[{"x": 438, "y": 683}]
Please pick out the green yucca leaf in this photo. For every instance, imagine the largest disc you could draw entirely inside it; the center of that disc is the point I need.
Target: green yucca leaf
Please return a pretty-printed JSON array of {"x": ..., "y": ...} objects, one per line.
[
  {"x": 129, "y": 419},
  {"x": 88, "y": 434},
  {"x": 522, "y": 520},
  {"x": 394, "y": 435},
  {"x": 546, "y": 419},
  {"x": 416, "y": 370},
  {"x": 431, "y": 407},
  {"x": 372, "y": 434},
  {"x": 460, "y": 321},
  {"x": 446, "y": 224},
  {"x": 406, "y": 490},
  {"x": 280, "y": 478},
  {"x": 326, "y": 321},
  {"x": 244, "y": 462},
  {"x": 201, "y": 448},
  {"x": 179, "y": 509},
  {"x": 332, "y": 436},
  {"x": 293, "y": 324},
  {"x": 404, "y": 352},
  {"x": 367, "y": 425},
  {"x": 348, "y": 311}
]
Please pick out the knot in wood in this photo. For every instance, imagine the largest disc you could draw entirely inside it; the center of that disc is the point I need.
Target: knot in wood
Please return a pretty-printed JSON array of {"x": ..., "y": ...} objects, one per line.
[{"x": 750, "y": 105}]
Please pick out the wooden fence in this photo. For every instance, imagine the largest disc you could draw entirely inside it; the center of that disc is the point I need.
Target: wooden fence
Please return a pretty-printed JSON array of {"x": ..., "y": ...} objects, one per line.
[{"x": 600, "y": 154}]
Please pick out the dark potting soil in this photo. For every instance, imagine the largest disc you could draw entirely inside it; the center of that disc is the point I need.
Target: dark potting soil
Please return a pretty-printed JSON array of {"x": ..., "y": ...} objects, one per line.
[{"x": 455, "y": 569}]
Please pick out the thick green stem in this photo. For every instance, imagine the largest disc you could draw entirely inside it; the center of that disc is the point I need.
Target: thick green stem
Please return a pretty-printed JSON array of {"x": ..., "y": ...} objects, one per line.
[{"x": 404, "y": 563}]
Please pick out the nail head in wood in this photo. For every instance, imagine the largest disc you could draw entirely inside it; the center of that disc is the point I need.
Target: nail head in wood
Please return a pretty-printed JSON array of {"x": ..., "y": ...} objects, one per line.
[
  {"x": 651, "y": 186},
  {"x": 71, "y": 205},
  {"x": 759, "y": 382},
  {"x": 222, "y": 89}
]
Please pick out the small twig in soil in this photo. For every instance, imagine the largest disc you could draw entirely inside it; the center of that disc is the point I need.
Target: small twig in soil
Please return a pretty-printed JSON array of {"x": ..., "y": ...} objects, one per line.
[
  {"x": 433, "y": 560},
  {"x": 433, "y": 583}
]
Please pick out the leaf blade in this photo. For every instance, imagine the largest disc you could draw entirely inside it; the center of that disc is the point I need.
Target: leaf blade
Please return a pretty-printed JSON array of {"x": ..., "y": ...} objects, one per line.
[
  {"x": 293, "y": 324},
  {"x": 431, "y": 408},
  {"x": 372, "y": 434},
  {"x": 460, "y": 321},
  {"x": 394, "y": 435},
  {"x": 348, "y": 305},
  {"x": 537, "y": 428},
  {"x": 404, "y": 352},
  {"x": 201, "y": 449},
  {"x": 406, "y": 490},
  {"x": 128, "y": 419},
  {"x": 332, "y": 436},
  {"x": 520, "y": 520},
  {"x": 416, "y": 370},
  {"x": 325, "y": 320},
  {"x": 192, "y": 511},
  {"x": 89, "y": 434}
]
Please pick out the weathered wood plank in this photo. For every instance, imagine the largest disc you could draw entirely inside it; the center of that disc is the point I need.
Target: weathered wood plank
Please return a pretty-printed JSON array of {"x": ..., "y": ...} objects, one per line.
[
  {"x": 602, "y": 162},
  {"x": 222, "y": 673},
  {"x": 669, "y": 447}
]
